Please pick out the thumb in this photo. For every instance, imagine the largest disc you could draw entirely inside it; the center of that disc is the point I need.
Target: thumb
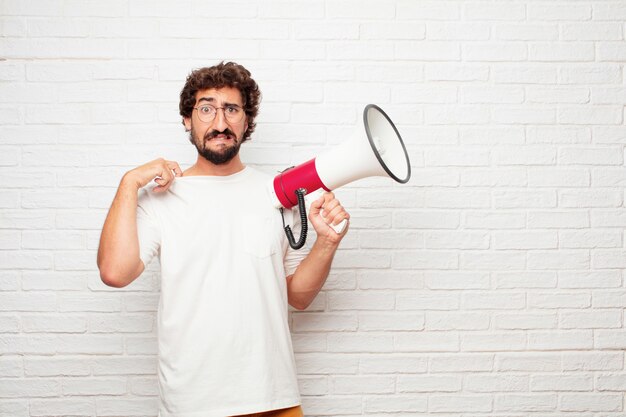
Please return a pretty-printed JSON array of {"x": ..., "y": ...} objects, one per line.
[{"x": 316, "y": 206}]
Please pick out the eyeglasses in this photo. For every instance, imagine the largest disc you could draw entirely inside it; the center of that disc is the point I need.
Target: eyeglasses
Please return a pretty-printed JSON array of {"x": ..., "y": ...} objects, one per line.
[{"x": 232, "y": 112}]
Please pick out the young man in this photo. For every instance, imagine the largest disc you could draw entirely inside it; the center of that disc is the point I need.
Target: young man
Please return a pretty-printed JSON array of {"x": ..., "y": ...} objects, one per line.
[{"x": 227, "y": 271}]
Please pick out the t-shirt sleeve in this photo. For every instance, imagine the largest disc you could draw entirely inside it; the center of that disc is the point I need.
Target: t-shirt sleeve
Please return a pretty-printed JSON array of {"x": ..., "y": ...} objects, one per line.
[
  {"x": 148, "y": 231},
  {"x": 294, "y": 257}
]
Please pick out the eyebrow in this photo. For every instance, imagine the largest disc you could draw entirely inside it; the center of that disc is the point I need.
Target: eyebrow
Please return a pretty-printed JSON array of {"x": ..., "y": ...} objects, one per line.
[{"x": 212, "y": 100}]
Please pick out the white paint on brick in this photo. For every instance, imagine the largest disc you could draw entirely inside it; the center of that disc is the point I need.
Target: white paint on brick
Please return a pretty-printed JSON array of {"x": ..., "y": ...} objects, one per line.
[{"x": 491, "y": 284}]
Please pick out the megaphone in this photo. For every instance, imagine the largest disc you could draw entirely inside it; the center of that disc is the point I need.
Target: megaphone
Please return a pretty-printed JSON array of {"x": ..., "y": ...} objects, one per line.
[{"x": 383, "y": 155}]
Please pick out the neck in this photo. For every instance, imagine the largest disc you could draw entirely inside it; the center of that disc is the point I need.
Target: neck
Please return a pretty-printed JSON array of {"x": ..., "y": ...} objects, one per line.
[{"x": 205, "y": 167}]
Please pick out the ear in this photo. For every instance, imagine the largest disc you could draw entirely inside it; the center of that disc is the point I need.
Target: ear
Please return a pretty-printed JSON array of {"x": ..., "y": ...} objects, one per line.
[{"x": 187, "y": 123}]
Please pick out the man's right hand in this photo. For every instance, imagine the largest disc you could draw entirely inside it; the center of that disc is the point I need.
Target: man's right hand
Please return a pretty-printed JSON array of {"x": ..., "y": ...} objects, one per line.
[{"x": 161, "y": 171}]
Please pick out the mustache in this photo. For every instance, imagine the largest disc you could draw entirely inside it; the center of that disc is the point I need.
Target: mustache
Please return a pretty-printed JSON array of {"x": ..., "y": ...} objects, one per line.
[{"x": 213, "y": 133}]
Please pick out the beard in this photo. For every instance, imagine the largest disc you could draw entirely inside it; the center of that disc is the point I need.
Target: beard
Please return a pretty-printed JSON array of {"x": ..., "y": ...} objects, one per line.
[{"x": 218, "y": 157}]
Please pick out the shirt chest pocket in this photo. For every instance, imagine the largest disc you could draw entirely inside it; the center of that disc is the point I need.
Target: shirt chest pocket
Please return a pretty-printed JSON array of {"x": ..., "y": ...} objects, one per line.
[{"x": 260, "y": 236}]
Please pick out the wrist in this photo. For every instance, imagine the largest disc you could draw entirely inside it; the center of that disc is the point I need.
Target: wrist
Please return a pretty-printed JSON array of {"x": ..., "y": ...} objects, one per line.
[{"x": 130, "y": 182}]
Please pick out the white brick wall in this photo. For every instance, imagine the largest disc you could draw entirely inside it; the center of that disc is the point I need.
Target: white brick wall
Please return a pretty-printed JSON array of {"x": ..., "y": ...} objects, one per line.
[{"x": 491, "y": 284}]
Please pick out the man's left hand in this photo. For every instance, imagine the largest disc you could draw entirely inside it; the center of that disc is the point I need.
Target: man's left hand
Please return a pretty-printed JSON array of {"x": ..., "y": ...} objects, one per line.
[{"x": 325, "y": 211}]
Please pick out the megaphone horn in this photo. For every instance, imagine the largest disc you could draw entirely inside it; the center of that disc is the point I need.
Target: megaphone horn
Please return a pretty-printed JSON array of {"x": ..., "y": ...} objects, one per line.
[{"x": 352, "y": 160}]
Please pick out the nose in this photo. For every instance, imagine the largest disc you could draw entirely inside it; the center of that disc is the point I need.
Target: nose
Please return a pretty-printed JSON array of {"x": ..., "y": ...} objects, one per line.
[{"x": 219, "y": 123}]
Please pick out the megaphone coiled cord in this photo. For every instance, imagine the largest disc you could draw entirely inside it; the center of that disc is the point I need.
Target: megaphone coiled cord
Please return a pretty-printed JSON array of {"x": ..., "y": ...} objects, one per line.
[{"x": 300, "y": 192}]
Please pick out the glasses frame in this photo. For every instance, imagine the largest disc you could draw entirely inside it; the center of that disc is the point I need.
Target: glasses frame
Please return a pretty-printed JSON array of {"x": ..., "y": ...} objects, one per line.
[{"x": 223, "y": 108}]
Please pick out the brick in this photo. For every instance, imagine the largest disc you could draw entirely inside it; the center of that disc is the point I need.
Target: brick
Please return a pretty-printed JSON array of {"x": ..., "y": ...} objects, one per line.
[
  {"x": 426, "y": 342},
  {"x": 559, "y": 11},
  {"x": 558, "y": 219},
  {"x": 11, "y": 367},
  {"x": 429, "y": 383},
  {"x": 492, "y": 95},
  {"x": 324, "y": 322},
  {"x": 428, "y": 10},
  {"x": 392, "y": 363},
  {"x": 527, "y": 279},
  {"x": 610, "y": 339},
  {"x": 30, "y": 387},
  {"x": 456, "y": 321},
  {"x": 569, "y": 95},
  {"x": 496, "y": 383},
  {"x": 350, "y": 385},
  {"x": 333, "y": 406},
  {"x": 560, "y": 340},
  {"x": 363, "y": 301},
  {"x": 417, "y": 93},
  {"x": 561, "y": 52},
  {"x": 495, "y": 11},
  {"x": 53, "y": 324},
  {"x": 605, "y": 319},
  {"x": 457, "y": 240},
  {"x": 493, "y": 342},
  {"x": 427, "y": 219},
  {"x": 528, "y": 362},
  {"x": 362, "y": 342},
  {"x": 558, "y": 177},
  {"x": 452, "y": 31},
  {"x": 494, "y": 52},
  {"x": 428, "y": 51},
  {"x": 595, "y": 198},
  {"x": 525, "y": 240},
  {"x": 608, "y": 298},
  {"x": 608, "y": 115},
  {"x": 62, "y": 407},
  {"x": 457, "y": 403},
  {"x": 570, "y": 259},
  {"x": 368, "y": 280},
  {"x": 468, "y": 158},
  {"x": 591, "y": 31},
  {"x": 493, "y": 301},
  {"x": 611, "y": 51},
  {"x": 526, "y": 32},
  {"x": 456, "y": 72},
  {"x": 457, "y": 198},
  {"x": 608, "y": 95},
  {"x": 412, "y": 301},
  {"x": 591, "y": 402},
  {"x": 524, "y": 199},
  {"x": 526, "y": 402},
  {"x": 425, "y": 260},
  {"x": 500, "y": 177},
  {"x": 525, "y": 321},
  {"x": 494, "y": 220},
  {"x": 144, "y": 386},
  {"x": 128, "y": 407},
  {"x": 604, "y": 74},
  {"x": 613, "y": 382},
  {"x": 311, "y": 363},
  {"x": 463, "y": 362},
  {"x": 592, "y": 361},
  {"x": 558, "y": 134},
  {"x": 576, "y": 239},
  {"x": 593, "y": 279},
  {"x": 540, "y": 155},
  {"x": 525, "y": 74},
  {"x": 391, "y": 322},
  {"x": 558, "y": 300}
]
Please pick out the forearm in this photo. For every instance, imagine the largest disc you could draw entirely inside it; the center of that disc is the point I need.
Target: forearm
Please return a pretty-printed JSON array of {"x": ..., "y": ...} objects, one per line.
[
  {"x": 118, "y": 253},
  {"x": 310, "y": 276}
]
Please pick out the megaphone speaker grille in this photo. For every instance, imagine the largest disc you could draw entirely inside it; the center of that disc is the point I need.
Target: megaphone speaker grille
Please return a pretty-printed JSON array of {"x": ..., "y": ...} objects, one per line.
[{"x": 386, "y": 143}]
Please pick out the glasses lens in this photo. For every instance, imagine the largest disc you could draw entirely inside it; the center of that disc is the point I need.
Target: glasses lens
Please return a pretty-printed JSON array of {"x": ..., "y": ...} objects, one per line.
[{"x": 234, "y": 114}]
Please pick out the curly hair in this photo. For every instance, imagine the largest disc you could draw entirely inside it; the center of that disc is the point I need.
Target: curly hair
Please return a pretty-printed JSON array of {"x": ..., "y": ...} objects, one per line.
[{"x": 222, "y": 75}]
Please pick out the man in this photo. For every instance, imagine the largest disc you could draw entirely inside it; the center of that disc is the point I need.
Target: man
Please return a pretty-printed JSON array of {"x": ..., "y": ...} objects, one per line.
[{"x": 227, "y": 271}]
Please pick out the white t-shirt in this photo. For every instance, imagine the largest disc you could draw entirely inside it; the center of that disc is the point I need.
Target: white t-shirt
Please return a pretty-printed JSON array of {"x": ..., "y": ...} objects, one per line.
[{"x": 223, "y": 335}]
